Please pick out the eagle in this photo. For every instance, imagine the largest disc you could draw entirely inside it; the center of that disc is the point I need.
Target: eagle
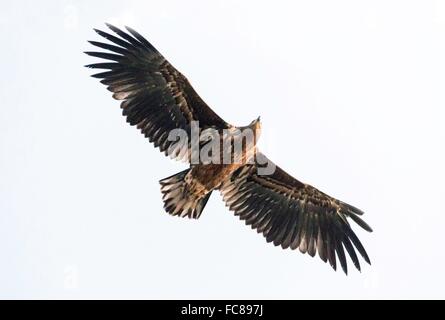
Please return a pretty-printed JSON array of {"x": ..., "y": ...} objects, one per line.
[{"x": 158, "y": 99}]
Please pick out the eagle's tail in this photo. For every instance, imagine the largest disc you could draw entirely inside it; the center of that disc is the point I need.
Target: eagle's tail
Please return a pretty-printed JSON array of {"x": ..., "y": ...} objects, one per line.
[{"x": 178, "y": 201}]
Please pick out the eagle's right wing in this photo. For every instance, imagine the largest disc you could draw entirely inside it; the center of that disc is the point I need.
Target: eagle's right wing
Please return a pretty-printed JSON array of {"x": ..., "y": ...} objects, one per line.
[
  {"x": 293, "y": 214},
  {"x": 157, "y": 97}
]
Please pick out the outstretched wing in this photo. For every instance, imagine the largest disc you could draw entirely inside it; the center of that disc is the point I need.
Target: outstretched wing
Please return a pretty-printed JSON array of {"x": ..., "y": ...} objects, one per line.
[
  {"x": 157, "y": 97},
  {"x": 293, "y": 214}
]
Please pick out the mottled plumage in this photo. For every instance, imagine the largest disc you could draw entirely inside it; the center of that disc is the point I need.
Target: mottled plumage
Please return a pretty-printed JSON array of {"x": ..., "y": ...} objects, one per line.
[{"x": 157, "y": 99}]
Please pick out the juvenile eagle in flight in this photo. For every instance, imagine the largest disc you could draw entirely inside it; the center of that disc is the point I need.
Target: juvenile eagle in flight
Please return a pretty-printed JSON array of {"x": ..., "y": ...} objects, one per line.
[{"x": 157, "y": 99}]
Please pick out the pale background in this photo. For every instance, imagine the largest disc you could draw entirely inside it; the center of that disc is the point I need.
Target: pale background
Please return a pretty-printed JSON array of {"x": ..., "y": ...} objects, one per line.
[{"x": 351, "y": 95}]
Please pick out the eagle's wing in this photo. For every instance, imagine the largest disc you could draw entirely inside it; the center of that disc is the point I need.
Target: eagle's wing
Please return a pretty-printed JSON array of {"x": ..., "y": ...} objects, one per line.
[
  {"x": 157, "y": 97},
  {"x": 293, "y": 214}
]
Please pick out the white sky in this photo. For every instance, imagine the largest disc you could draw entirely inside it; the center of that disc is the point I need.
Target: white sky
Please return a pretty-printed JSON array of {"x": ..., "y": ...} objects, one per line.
[{"x": 351, "y": 97}]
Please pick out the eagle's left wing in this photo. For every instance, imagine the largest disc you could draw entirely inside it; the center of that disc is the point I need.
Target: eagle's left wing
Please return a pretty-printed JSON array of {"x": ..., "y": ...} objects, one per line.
[
  {"x": 157, "y": 98},
  {"x": 293, "y": 214}
]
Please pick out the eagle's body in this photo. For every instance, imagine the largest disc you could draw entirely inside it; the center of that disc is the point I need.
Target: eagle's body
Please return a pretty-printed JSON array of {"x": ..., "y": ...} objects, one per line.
[
  {"x": 202, "y": 178},
  {"x": 158, "y": 99},
  {"x": 208, "y": 177},
  {"x": 212, "y": 175}
]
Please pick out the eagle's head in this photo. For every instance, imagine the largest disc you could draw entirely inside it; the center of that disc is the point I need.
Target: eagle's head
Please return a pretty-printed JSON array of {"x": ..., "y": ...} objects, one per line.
[{"x": 255, "y": 125}]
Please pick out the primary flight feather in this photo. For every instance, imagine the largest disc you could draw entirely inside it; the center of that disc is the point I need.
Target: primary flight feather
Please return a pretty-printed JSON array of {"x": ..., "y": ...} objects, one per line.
[{"x": 158, "y": 99}]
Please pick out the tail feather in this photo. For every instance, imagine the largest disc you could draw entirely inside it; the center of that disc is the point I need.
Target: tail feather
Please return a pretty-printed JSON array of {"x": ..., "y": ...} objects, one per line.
[{"x": 178, "y": 201}]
